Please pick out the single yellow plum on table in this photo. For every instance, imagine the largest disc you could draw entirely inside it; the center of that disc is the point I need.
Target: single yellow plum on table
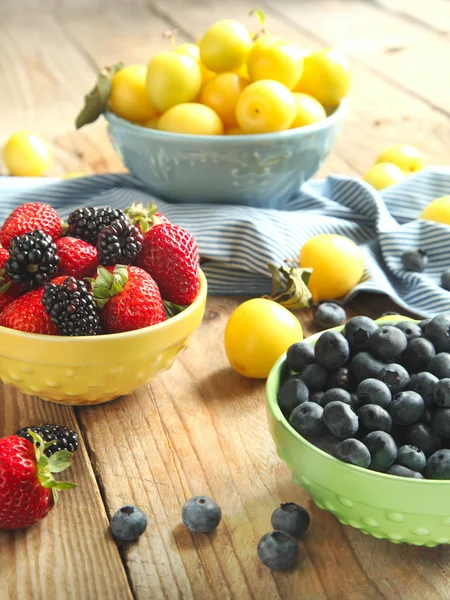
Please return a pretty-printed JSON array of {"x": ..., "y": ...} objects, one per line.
[
  {"x": 129, "y": 98},
  {"x": 191, "y": 50},
  {"x": 191, "y": 118},
  {"x": 26, "y": 154},
  {"x": 274, "y": 58},
  {"x": 337, "y": 265},
  {"x": 225, "y": 46},
  {"x": 438, "y": 210},
  {"x": 221, "y": 94},
  {"x": 258, "y": 332},
  {"x": 382, "y": 175},
  {"x": 308, "y": 110},
  {"x": 326, "y": 76},
  {"x": 404, "y": 156},
  {"x": 264, "y": 107},
  {"x": 172, "y": 78}
]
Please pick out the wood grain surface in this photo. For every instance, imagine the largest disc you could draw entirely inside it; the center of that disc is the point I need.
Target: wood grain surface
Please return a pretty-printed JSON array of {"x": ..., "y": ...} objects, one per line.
[{"x": 200, "y": 428}]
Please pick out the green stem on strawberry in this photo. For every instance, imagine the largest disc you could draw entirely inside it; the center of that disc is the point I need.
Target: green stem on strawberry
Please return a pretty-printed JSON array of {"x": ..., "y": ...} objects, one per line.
[
  {"x": 290, "y": 286},
  {"x": 145, "y": 216},
  {"x": 5, "y": 284},
  {"x": 106, "y": 284},
  {"x": 172, "y": 309}
]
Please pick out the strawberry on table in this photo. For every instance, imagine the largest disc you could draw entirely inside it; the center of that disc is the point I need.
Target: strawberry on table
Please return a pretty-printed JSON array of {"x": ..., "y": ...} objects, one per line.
[
  {"x": 77, "y": 258},
  {"x": 31, "y": 217}
]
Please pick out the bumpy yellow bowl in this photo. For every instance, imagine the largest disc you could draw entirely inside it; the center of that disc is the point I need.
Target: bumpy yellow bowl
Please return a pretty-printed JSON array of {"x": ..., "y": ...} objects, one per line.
[{"x": 91, "y": 370}]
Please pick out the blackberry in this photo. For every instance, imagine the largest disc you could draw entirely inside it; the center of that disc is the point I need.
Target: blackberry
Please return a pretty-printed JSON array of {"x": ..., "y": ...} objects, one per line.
[
  {"x": 72, "y": 307},
  {"x": 86, "y": 223},
  {"x": 33, "y": 260},
  {"x": 65, "y": 438},
  {"x": 119, "y": 243}
]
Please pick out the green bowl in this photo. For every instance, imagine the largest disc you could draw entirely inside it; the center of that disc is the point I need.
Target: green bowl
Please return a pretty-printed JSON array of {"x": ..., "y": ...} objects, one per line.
[{"x": 412, "y": 511}]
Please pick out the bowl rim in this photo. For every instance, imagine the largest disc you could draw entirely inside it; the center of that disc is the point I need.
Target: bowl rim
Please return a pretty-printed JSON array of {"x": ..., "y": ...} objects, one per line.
[
  {"x": 97, "y": 339},
  {"x": 273, "y": 407},
  {"x": 337, "y": 115}
]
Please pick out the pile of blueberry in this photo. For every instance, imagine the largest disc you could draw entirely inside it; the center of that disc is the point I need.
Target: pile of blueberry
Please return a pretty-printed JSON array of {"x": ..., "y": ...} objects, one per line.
[{"x": 375, "y": 397}]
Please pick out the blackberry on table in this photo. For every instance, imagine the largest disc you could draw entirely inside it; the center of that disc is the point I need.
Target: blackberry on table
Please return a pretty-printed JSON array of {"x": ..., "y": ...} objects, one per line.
[
  {"x": 65, "y": 438},
  {"x": 33, "y": 260},
  {"x": 119, "y": 243},
  {"x": 86, "y": 223}
]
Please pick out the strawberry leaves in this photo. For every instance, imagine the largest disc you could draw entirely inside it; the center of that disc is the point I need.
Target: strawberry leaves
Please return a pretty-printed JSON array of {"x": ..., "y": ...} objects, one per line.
[
  {"x": 143, "y": 216},
  {"x": 96, "y": 101},
  {"x": 106, "y": 284}
]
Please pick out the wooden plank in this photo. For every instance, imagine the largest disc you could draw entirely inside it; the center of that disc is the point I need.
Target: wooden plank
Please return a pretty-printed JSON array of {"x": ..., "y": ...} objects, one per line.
[
  {"x": 70, "y": 554},
  {"x": 434, "y": 14}
]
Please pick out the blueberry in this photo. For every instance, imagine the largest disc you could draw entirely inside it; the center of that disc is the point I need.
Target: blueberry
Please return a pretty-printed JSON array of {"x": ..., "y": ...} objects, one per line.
[
  {"x": 401, "y": 471},
  {"x": 406, "y": 408},
  {"x": 292, "y": 393},
  {"x": 374, "y": 391},
  {"x": 418, "y": 355},
  {"x": 307, "y": 419},
  {"x": 325, "y": 442},
  {"x": 278, "y": 550},
  {"x": 314, "y": 377},
  {"x": 438, "y": 465},
  {"x": 440, "y": 365},
  {"x": 201, "y": 514},
  {"x": 299, "y": 355},
  {"x": 291, "y": 518},
  {"x": 445, "y": 280},
  {"x": 340, "y": 378},
  {"x": 364, "y": 366},
  {"x": 316, "y": 397},
  {"x": 354, "y": 452},
  {"x": 358, "y": 331},
  {"x": 442, "y": 392},
  {"x": 438, "y": 332},
  {"x": 336, "y": 395},
  {"x": 389, "y": 313},
  {"x": 423, "y": 437},
  {"x": 374, "y": 418},
  {"x": 354, "y": 400},
  {"x": 387, "y": 342},
  {"x": 423, "y": 325},
  {"x": 395, "y": 377},
  {"x": 382, "y": 448},
  {"x": 340, "y": 420},
  {"x": 410, "y": 329},
  {"x": 412, "y": 458},
  {"x": 414, "y": 260},
  {"x": 128, "y": 523},
  {"x": 332, "y": 350},
  {"x": 440, "y": 423},
  {"x": 423, "y": 383},
  {"x": 329, "y": 315},
  {"x": 427, "y": 416}
]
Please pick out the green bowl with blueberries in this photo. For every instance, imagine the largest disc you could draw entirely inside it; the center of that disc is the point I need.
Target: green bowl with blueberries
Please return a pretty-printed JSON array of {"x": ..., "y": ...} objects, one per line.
[{"x": 374, "y": 394}]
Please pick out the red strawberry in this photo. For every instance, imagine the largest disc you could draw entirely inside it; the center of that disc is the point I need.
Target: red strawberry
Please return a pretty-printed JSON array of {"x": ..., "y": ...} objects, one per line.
[
  {"x": 128, "y": 297},
  {"x": 4, "y": 255},
  {"x": 27, "y": 313},
  {"x": 28, "y": 490},
  {"x": 77, "y": 258},
  {"x": 30, "y": 217},
  {"x": 170, "y": 254}
]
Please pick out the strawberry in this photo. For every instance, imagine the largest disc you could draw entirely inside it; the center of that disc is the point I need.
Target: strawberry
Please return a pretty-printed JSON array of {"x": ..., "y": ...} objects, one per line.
[
  {"x": 128, "y": 298},
  {"x": 28, "y": 490},
  {"x": 31, "y": 217},
  {"x": 8, "y": 291},
  {"x": 77, "y": 258},
  {"x": 170, "y": 254},
  {"x": 4, "y": 256},
  {"x": 144, "y": 216}
]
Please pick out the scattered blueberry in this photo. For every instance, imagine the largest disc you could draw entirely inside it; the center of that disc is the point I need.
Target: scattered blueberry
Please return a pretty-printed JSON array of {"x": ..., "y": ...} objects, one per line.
[
  {"x": 414, "y": 260},
  {"x": 374, "y": 391},
  {"x": 340, "y": 378},
  {"x": 387, "y": 342},
  {"x": 418, "y": 355},
  {"x": 332, "y": 350},
  {"x": 291, "y": 518},
  {"x": 438, "y": 332},
  {"x": 374, "y": 418},
  {"x": 314, "y": 377},
  {"x": 395, "y": 377},
  {"x": 410, "y": 329},
  {"x": 201, "y": 514},
  {"x": 358, "y": 331},
  {"x": 329, "y": 315},
  {"x": 278, "y": 550},
  {"x": 445, "y": 280},
  {"x": 128, "y": 523},
  {"x": 292, "y": 393},
  {"x": 336, "y": 395},
  {"x": 412, "y": 458},
  {"x": 354, "y": 452},
  {"x": 423, "y": 383},
  {"x": 365, "y": 366},
  {"x": 423, "y": 437},
  {"x": 440, "y": 365},
  {"x": 340, "y": 420},
  {"x": 382, "y": 448},
  {"x": 307, "y": 419},
  {"x": 406, "y": 408},
  {"x": 440, "y": 423},
  {"x": 316, "y": 397},
  {"x": 442, "y": 393},
  {"x": 299, "y": 355},
  {"x": 401, "y": 471},
  {"x": 438, "y": 465}
]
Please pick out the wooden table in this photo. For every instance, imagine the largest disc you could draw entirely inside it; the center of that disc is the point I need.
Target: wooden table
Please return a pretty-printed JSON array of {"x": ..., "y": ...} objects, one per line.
[{"x": 200, "y": 428}]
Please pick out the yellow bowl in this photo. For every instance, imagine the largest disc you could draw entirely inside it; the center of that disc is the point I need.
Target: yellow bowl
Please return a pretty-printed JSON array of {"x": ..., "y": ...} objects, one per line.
[{"x": 91, "y": 370}]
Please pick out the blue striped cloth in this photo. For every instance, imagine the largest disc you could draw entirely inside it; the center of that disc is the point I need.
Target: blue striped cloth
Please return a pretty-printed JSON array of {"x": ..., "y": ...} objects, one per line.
[{"x": 240, "y": 241}]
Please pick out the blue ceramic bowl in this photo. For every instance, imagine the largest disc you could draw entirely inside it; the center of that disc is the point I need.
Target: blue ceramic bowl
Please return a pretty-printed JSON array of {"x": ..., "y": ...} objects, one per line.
[{"x": 262, "y": 170}]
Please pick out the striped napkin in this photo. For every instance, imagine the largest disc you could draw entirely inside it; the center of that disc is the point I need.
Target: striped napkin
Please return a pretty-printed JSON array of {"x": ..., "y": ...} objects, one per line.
[{"x": 239, "y": 241}]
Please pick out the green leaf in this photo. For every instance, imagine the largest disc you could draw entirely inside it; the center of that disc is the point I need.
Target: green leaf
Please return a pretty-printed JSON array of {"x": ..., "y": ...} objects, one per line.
[
  {"x": 276, "y": 279},
  {"x": 65, "y": 485},
  {"x": 96, "y": 101},
  {"x": 172, "y": 309},
  {"x": 289, "y": 287},
  {"x": 4, "y": 287},
  {"x": 60, "y": 461},
  {"x": 42, "y": 462},
  {"x": 259, "y": 14}
]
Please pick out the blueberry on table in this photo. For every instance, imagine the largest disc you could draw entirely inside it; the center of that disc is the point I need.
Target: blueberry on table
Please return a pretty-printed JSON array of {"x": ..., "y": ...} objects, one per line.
[
  {"x": 382, "y": 448},
  {"x": 387, "y": 342},
  {"x": 440, "y": 365},
  {"x": 415, "y": 260},
  {"x": 340, "y": 378},
  {"x": 395, "y": 377},
  {"x": 374, "y": 391},
  {"x": 291, "y": 518},
  {"x": 292, "y": 393},
  {"x": 314, "y": 377},
  {"x": 410, "y": 329},
  {"x": 401, "y": 471},
  {"x": 445, "y": 280},
  {"x": 340, "y": 420},
  {"x": 407, "y": 408},
  {"x": 201, "y": 514},
  {"x": 365, "y": 366},
  {"x": 307, "y": 419},
  {"x": 278, "y": 550},
  {"x": 423, "y": 437},
  {"x": 438, "y": 465},
  {"x": 438, "y": 332},
  {"x": 354, "y": 452},
  {"x": 423, "y": 383},
  {"x": 440, "y": 423},
  {"x": 332, "y": 350},
  {"x": 336, "y": 395},
  {"x": 412, "y": 458},
  {"x": 329, "y": 315},
  {"x": 128, "y": 523},
  {"x": 374, "y": 418},
  {"x": 418, "y": 355},
  {"x": 358, "y": 332},
  {"x": 299, "y": 355}
]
